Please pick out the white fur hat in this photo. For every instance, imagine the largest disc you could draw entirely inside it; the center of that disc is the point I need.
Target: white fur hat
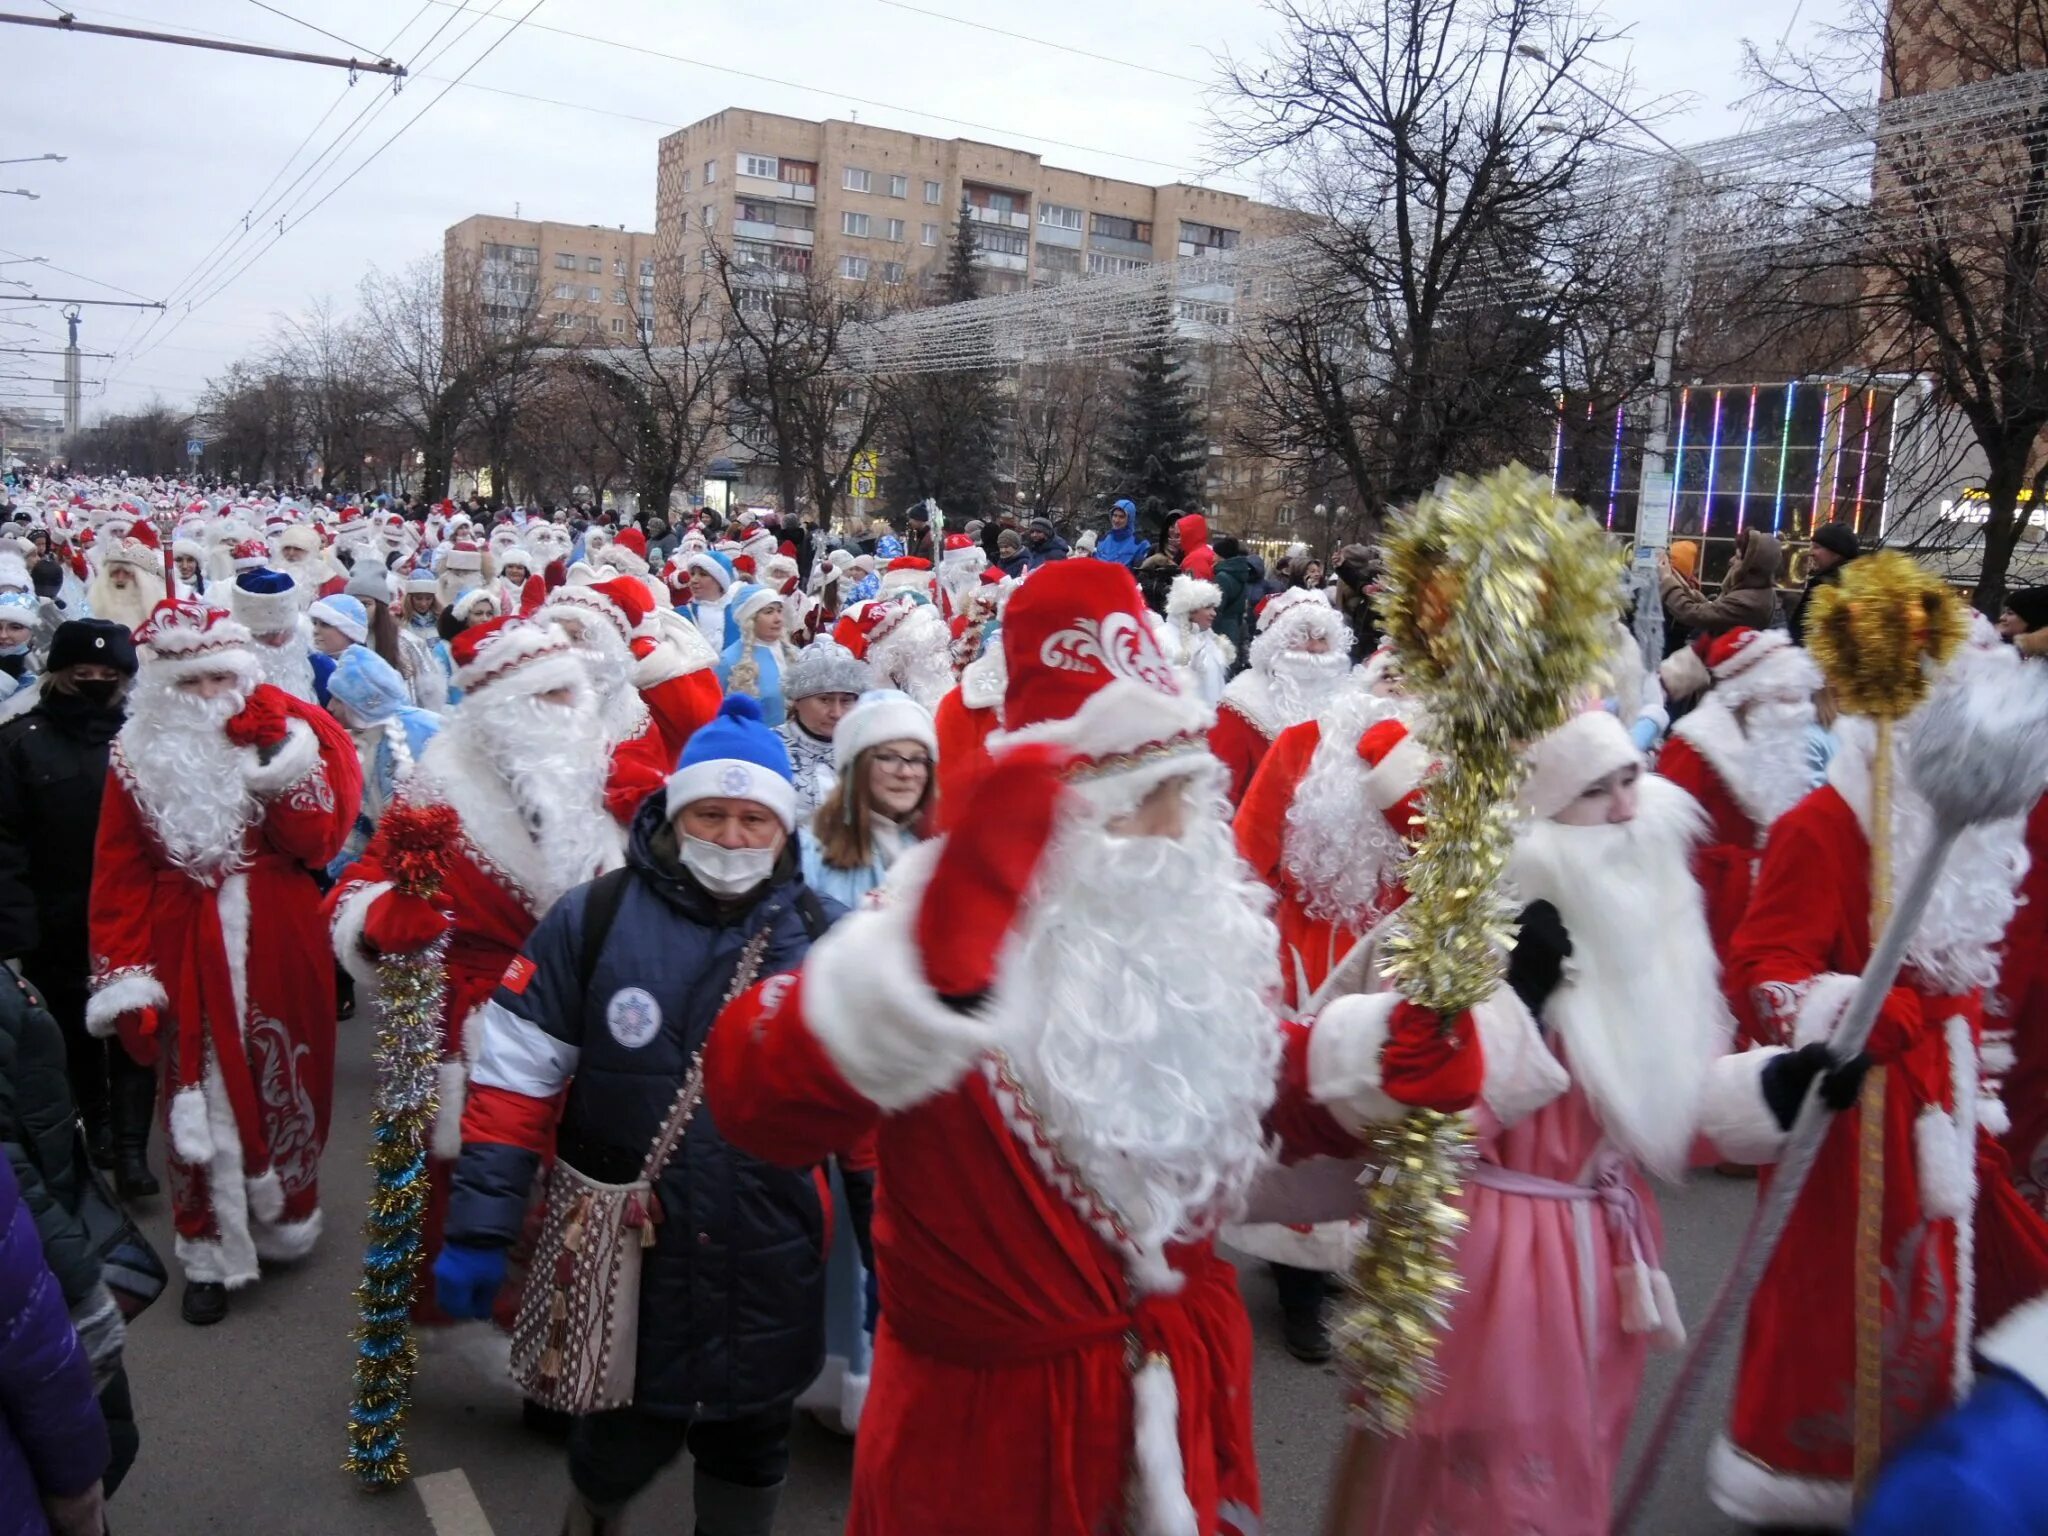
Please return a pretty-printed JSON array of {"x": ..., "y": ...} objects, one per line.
[
  {"x": 1189, "y": 594},
  {"x": 883, "y": 715},
  {"x": 1587, "y": 747}
]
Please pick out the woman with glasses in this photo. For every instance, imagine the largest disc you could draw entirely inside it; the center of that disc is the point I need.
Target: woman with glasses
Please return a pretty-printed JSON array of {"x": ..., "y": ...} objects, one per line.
[{"x": 885, "y": 751}]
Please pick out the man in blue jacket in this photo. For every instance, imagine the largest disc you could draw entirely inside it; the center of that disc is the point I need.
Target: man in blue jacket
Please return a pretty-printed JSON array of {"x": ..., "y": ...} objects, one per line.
[{"x": 611, "y": 999}]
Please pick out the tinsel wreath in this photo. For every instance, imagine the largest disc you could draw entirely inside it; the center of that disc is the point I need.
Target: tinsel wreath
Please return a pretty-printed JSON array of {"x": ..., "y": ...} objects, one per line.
[
  {"x": 1871, "y": 630},
  {"x": 1498, "y": 597},
  {"x": 418, "y": 840}
]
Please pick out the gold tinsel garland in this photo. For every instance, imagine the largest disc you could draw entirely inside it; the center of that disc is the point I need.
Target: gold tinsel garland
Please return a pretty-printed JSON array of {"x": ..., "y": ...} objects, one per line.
[
  {"x": 1498, "y": 599},
  {"x": 1871, "y": 629}
]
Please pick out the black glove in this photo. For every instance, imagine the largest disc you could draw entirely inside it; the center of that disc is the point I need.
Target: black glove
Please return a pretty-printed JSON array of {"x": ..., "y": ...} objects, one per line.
[
  {"x": 1536, "y": 964},
  {"x": 1787, "y": 1077}
]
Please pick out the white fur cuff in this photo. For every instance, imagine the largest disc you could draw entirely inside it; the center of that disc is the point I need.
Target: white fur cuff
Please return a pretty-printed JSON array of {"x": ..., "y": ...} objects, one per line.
[
  {"x": 1947, "y": 1177},
  {"x": 351, "y": 913},
  {"x": 1344, "y": 1046},
  {"x": 1821, "y": 1009},
  {"x": 135, "y": 990},
  {"x": 1744, "y": 1489},
  {"x": 191, "y": 1130},
  {"x": 297, "y": 756},
  {"x": 866, "y": 1001},
  {"x": 1733, "y": 1113},
  {"x": 282, "y": 1243},
  {"x": 266, "y": 1196},
  {"x": 1521, "y": 1073}
]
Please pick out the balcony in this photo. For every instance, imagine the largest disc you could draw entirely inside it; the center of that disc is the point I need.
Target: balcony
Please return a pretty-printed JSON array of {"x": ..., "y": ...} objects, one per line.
[
  {"x": 774, "y": 191},
  {"x": 1000, "y": 220},
  {"x": 1059, "y": 234},
  {"x": 1001, "y": 261},
  {"x": 781, "y": 234},
  {"x": 1111, "y": 245}
]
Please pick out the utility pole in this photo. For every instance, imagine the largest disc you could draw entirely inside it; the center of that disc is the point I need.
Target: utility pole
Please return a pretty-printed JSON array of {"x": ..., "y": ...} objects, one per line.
[
  {"x": 71, "y": 373},
  {"x": 69, "y": 23}
]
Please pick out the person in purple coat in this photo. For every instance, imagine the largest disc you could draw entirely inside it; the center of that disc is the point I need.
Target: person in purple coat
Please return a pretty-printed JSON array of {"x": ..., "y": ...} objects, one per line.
[{"x": 53, "y": 1439}]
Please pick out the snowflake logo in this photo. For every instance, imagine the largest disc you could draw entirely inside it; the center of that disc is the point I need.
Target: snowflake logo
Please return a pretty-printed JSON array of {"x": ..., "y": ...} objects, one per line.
[{"x": 736, "y": 780}]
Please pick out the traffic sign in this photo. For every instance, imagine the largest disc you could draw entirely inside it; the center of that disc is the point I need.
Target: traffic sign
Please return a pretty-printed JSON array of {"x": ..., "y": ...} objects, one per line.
[
  {"x": 867, "y": 462},
  {"x": 862, "y": 485},
  {"x": 194, "y": 447}
]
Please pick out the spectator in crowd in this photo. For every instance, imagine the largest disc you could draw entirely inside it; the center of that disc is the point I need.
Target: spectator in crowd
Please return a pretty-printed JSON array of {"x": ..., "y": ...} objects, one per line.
[
  {"x": 53, "y": 764},
  {"x": 825, "y": 682},
  {"x": 885, "y": 750},
  {"x": 54, "y": 1447},
  {"x": 1236, "y": 581},
  {"x": 1122, "y": 544},
  {"x": 1195, "y": 556},
  {"x": 732, "y": 1290},
  {"x": 1834, "y": 546},
  {"x": 1156, "y": 575},
  {"x": 1042, "y": 544},
  {"x": 917, "y": 538},
  {"x": 1351, "y": 595},
  {"x": 2024, "y": 620},
  {"x": 755, "y": 663},
  {"x": 1748, "y": 597},
  {"x": 1010, "y": 557},
  {"x": 882, "y": 542}
]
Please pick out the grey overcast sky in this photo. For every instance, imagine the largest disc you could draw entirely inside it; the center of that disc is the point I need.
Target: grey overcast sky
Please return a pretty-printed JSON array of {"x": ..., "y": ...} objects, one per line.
[{"x": 169, "y": 148}]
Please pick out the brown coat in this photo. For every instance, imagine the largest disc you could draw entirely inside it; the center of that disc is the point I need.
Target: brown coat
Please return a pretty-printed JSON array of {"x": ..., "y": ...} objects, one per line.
[{"x": 1749, "y": 596}]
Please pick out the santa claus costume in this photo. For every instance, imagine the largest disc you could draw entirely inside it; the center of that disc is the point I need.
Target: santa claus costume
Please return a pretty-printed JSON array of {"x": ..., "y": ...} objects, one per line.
[
  {"x": 130, "y": 580},
  {"x": 909, "y": 647},
  {"x": 525, "y": 776},
  {"x": 645, "y": 722},
  {"x": 1059, "y": 1022},
  {"x": 1299, "y": 657},
  {"x": 964, "y": 721},
  {"x": 1744, "y": 755},
  {"x": 1605, "y": 1062},
  {"x": 960, "y": 566},
  {"x": 266, "y": 603},
  {"x": 302, "y": 555},
  {"x": 205, "y": 927},
  {"x": 1788, "y": 1455},
  {"x": 2016, "y": 1018}
]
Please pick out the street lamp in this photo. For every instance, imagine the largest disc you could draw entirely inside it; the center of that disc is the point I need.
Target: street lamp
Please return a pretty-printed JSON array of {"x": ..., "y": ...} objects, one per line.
[
  {"x": 35, "y": 159},
  {"x": 20, "y": 192}
]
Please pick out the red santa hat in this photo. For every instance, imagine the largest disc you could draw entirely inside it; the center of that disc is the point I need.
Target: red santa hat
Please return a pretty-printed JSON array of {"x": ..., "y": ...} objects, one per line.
[
  {"x": 251, "y": 555},
  {"x": 856, "y": 627},
  {"x": 628, "y": 551},
  {"x": 622, "y": 602},
  {"x": 514, "y": 656},
  {"x": 1084, "y": 673},
  {"x": 1752, "y": 664},
  {"x": 1585, "y": 748},
  {"x": 189, "y": 637},
  {"x": 907, "y": 573},
  {"x": 960, "y": 550},
  {"x": 1397, "y": 771}
]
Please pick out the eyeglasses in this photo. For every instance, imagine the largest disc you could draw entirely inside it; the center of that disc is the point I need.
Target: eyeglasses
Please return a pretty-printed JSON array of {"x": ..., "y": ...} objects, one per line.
[{"x": 900, "y": 764}]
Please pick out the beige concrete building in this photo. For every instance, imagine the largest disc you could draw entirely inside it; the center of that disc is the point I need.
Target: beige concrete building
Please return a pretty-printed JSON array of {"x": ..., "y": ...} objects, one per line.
[
  {"x": 581, "y": 282},
  {"x": 867, "y": 204}
]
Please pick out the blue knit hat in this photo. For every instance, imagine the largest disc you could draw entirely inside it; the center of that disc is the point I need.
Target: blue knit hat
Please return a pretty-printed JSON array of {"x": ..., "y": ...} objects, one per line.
[
  {"x": 264, "y": 581},
  {"x": 735, "y": 757},
  {"x": 344, "y": 613}
]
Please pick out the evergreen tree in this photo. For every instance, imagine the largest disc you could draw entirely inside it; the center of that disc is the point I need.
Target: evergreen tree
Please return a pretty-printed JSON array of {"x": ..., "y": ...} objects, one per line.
[
  {"x": 940, "y": 430},
  {"x": 1157, "y": 448}
]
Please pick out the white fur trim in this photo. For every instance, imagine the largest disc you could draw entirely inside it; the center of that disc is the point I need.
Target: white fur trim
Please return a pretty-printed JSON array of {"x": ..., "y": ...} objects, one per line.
[
  {"x": 734, "y": 778},
  {"x": 1120, "y": 717},
  {"x": 136, "y": 990},
  {"x": 1821, "y": 1009},
  {"x": 1744, "y": 1489},
  {"x": 1993, "y": 1117},
  {"x": 238, "y": 660},
  {"x": 297, "y": 757},
  {"x": 2020, "y": 1344},
  {"x": 984, "y": 680},
  {"x": 853, "y": 1397},
  {"x": 1163, "y": 1505},
  {"x": 350, "y": 915},
  {"x": 266, "y": 1196},
  {"x": 1962, "y": 1056},
  {"x": 230, "y": 1258},
  {"x": 1944, "y": 1179},
  {"x": 1683, "y": 674},
  {"x": 1522, "y": 1075},
  {"x": 191, "y": 1136},
  {"x": 1397, "y": 775},
  {"x": 231, "y": 902},
  {"x": 452, "y": 1080},
  {"x": 283, "y": 1243},
  {"x": 1344, "y": 1047},
  {"x": 1190, "y": 594},
  {"x": 1580, "y": 752},
  {"x": 1733, "y": 1113},
  {"x": 866, "y": 1000}
]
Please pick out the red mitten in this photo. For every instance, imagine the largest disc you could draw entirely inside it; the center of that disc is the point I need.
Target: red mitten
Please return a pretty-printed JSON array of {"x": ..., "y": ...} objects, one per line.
[
  {"x": 1901, "y": 1025},
  {"x": 1429, "y": 1062},
  {"x": 985, "y": 868},
  {"x": 399, "y": 924},
  {"x": 262, "y": 720},
  {"x": 138, "y": 1035}
]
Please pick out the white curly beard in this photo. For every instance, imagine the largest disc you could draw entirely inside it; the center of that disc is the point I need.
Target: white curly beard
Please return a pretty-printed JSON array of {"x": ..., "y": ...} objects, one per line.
[
  {"x": 289, "y": 666},
  {"x": 609, "y": 662},
  {"x": 1153, "y": 1046},
  {"x": 1781, "y": 771},
  {"x": 917, "y": 657},
  {"x": 1339, "y": 848},
  {"x": 553, "y": 760},
  {"x": 188, "y": 778}
]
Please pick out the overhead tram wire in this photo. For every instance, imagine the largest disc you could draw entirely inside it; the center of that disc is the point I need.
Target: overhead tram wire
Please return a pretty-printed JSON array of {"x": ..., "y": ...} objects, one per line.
[
  {"x": 1043, "y": 42},
  {"x": 50, "y": 266},
  {"x": 310, "y": 27}
]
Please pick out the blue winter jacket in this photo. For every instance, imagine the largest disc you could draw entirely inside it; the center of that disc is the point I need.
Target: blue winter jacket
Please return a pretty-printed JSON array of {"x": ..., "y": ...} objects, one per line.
[
  {"x": 1123, "y": 546},
  {"x": 732, "y": 1294},
  {"x": 53, "y": 1437}
]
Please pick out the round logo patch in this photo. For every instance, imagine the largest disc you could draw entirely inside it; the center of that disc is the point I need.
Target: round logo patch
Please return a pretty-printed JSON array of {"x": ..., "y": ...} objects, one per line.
[
  {"x": 736, "y": 781},
  {"x": 633, "y": 1017}
]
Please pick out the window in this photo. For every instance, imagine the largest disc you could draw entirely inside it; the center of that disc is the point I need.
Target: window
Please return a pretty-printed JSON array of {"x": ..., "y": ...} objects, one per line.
[
  {"x": 647, "y": 332},
  {"x": 931, "y": 191},
  {"x": 647, "y": 269},
  {"x": 1109, "y": 266},
  {"x": 764, "y": 166},
  {"x": 800, "y": 173},
  {"x": 752, "y": 253},
  {"x": 618, "y": 295},
  {"x": 618, "y": 326},
  {"x": 1204, "y": 314},
  {"x": 892, "y": 229},
  {"x": 856, "y": 179},
  {"x": 855, "y": 267},
  {"x": 1058, "y": 217},
  {"x": 594, "y": 293},
  {"x": 564, "y": 321},
  {"x": 892, "y": 271},
  {"x": 517, "y": 255},
  {"x": 593, "y": 263},
  {"x": 753, "y": 211},
  {"x": 928, "y": 234},
  {"x": 683, "y": 222},
  {"x": 710, "y": 172},
  {"x": 1199, "y": 239},
  {"x": 564, "y": 262},
  {"x": 996, "y": 201},
  {"x": 1058, "y": 258},
  {"x": 590, "y": 322},
  {"x": 1113, "y": 228},
  {"x": 899, "y": 186},
  {"x": 1006, "y": 242},
  {"x": 855, "y": 224},
  {"x": 709, "y": 215},
  {"x": 618, "y": 266},
  {"x": 565, "y": 290},
  {"x": 686, "y": 181}
]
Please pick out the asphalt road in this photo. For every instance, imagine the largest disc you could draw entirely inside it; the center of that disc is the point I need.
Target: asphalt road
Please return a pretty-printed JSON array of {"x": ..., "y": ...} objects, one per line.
[{"x": 243, "y": 1424}]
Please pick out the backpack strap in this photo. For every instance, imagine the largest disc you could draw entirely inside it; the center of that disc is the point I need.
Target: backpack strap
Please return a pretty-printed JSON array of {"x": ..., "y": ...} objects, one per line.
[
  {"x": 600, "y": 911},
  {"x": 812, "y": 911}
]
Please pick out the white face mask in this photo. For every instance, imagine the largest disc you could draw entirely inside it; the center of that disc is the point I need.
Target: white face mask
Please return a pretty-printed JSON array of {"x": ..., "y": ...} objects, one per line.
[{"x": 726, "y": 871}]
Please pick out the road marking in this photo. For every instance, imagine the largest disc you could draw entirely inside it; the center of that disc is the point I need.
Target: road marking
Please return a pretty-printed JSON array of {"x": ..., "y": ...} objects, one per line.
[{"x": 451, "y": 1504}]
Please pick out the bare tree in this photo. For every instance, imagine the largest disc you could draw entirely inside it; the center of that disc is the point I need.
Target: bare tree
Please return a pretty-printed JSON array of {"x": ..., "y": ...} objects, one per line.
[
  {"x": 250, "y": 416},
  {"x": 1062, "y": 415},
  {"x": 332, "y": 370}
]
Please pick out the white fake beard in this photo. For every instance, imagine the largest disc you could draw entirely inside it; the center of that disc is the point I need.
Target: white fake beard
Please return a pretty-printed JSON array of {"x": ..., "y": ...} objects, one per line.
[
  {"x": 917, "y": 658},
  {"x": 1339, "y": 849},
  {"x": 308, "y": 577},
  {"x": 1151, "y": 1049},
  {"x": 609, "y": 663},
  {"x": 189, "y": 779},
  {"x": 288, "y": 666},
  {"x": 1640, "y": 1013},
  {"x": 1781, "y": 772},
  {"x": 1300, "y": 682},
  {"x": 553, "y": 760},
  {"x": 1959, "y": 942},
  {"x": 130, "y": 605}
]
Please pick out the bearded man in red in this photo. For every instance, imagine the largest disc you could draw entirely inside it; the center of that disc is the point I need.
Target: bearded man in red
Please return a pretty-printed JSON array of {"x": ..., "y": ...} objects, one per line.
[
  {"x": 1059, "y": 1023},
  {"x": 225, "y": 795},
  {"x": 1299, "y": 659}
]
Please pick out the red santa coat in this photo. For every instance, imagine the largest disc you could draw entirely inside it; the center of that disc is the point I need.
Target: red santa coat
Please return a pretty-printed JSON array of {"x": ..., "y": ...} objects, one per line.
[
  {"x": 681, "y": 691},
  {"x": 1004, "y": 1398},
  {"x": 1787, "y": 1458},
  {"x": 963, "y": 723},
  {"x": 234, "y": 960},
  {"x": 2016, "y": 1022},
  {"x": 1724, "y": 861},
  {"x": 1246, "y": 725},
  {"x": 1310, "y": 947}
]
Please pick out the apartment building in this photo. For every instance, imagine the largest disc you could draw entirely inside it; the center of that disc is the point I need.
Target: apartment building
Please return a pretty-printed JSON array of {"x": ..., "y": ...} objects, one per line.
[
  {"x": 791, "y": 197},
  {"x": 585, "y": 282}
]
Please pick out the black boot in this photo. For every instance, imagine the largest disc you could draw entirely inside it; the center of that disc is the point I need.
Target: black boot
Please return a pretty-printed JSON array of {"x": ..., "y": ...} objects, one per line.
[
  {"x": 1304, "y": 1298},
  {"x": 134, "y": 1106},
  {"x": 205, "y": 1303},
  {"x": 584, "y": 1518},
  {"x": 728, "y": 1509}
]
